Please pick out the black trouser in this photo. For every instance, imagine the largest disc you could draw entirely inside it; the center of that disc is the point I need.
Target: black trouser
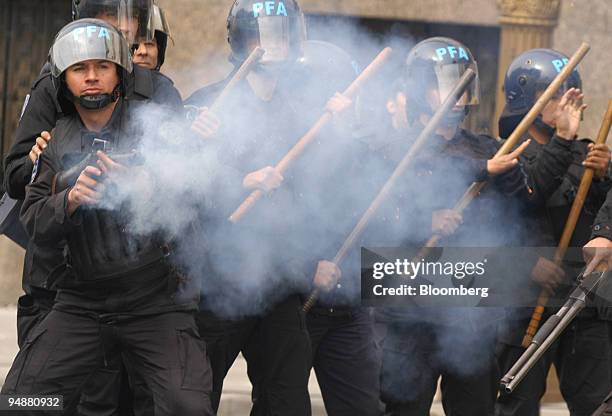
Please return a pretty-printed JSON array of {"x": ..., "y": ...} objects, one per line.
[
  {"x": 416, "y": 355},
  {"x": 225, "y": 339},
  {"x": 277, "y": 349},
  {"x": 67, "y": 353},
  {"x": 346, "y": 361},
  {"x": 31, "y": 310},
  {"x": 582, "y": 359}
]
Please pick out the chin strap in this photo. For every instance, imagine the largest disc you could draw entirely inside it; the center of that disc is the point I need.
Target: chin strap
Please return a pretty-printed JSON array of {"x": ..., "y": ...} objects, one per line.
[{"x": 99, "y": 101}]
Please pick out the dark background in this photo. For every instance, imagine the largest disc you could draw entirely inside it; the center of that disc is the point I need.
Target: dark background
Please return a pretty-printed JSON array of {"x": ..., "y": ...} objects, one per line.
[{"x": 27, "y": 29}]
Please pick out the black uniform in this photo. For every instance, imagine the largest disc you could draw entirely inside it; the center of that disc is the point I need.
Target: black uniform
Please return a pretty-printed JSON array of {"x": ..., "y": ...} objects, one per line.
[
  {"x": 582, "y": 354},
  {"x": 421, "y": 344},
  {"x": 416, "y": 347},
  {"x": 44, "y": 266},
  {"x": 118, "y": 302},
  {"x": 341, "y": 331},
  {"x": 267, "y": 325},
  {"x": 602, "y": 227}
]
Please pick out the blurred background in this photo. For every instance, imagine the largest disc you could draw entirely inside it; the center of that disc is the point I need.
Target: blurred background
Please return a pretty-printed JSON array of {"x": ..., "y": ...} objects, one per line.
[{"x": 495, "y": 30}]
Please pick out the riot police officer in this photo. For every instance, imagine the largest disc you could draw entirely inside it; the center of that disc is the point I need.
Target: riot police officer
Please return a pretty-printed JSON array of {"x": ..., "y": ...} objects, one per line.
[
  {"x": 583, "y": 351},
  {"x": 151, "y": 53},
  {"x": 41, "y": 110},
  {"x": 118, "y": 301},
  {"x": 257, "y": 124},
  {"x": 421, "y": 343}
]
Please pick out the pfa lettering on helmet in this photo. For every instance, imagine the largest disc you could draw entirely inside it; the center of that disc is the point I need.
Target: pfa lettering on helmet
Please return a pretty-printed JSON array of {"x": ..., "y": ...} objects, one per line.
[
  {"x": 277, "y": 26},
  {"x": 437, "y": 65},
  {"x": 89, "y": 31},
  {"x": 559, "y": 63},
  {"x": 133, "y": 16},
  {"x": 452, "y": 52},
  {"x": 269, "y": 8}
]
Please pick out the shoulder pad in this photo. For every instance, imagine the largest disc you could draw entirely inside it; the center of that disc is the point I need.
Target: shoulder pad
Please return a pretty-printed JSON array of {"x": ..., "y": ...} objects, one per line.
[
  {"x": 142, "y": 81},
  {"x": 43, "y": 76},
  {"x": 44, "y": 72},
  {"x": 161, "y": 74}
]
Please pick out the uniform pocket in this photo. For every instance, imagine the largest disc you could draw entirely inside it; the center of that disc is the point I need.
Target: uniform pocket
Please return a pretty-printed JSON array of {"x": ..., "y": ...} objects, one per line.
[
  {"x": 28, "y": 364},
  {"x": 28, "y": 316},
  {"x": 195, "y": 369}
]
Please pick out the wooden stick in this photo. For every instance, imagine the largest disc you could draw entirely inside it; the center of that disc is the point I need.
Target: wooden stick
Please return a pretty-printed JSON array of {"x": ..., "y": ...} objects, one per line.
[
  {"x": 242, "y": 72},
  {"x": 467, "y": 78},
  {"x": 568, "y": 231},
  {"x": 301, "y": 145}
]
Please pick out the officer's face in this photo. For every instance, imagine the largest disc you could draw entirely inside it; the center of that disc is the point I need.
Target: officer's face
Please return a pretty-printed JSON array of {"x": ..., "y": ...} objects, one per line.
[
  {"x": 92, "y": 77},
  {"x": 147, "y": 54}
]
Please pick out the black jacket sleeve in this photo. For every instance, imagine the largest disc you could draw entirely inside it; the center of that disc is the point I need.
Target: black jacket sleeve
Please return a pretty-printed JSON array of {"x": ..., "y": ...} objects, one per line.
[
  {"x": 603, "y": 223},
  {"x": 44, "y": 215},
  {"x": 165, "y": 93},
  {"x": 541, "y": 174},
  {"x": 600, "y": 186},
  {"x": 40, "y": 114}
]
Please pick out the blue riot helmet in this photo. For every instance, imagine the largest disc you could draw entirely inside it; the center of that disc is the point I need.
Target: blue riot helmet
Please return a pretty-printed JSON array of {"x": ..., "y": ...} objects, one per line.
[
  {"x": 438, "y": 63},
  {"x": 132, "y": 17},
  {"x": 84, "y": 40},
  {"x": 528, "y": 75},
  {"x": 276, "y": 26}
]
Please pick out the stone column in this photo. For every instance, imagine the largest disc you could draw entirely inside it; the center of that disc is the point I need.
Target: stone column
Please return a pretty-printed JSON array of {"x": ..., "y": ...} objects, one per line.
[{"x": 525, "y": 24}]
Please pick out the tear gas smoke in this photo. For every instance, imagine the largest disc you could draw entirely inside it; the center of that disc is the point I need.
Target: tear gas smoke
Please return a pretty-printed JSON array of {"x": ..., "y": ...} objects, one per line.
[{"x": 190, "y": 186}]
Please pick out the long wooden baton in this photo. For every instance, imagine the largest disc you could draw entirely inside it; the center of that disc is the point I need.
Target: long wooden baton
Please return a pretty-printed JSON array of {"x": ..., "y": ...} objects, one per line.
[
  {"x": 254, "y": 57},
  {"x": 518, "y": 132},
  {"x": 432, "y": 125},
  {"x": 568, "y": 231},
  {"x": 299, "y": 147}
]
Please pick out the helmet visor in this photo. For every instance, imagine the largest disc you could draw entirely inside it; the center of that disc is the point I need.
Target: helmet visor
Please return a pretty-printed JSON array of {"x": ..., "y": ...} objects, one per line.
[
  {"x": 448, "y": 75},
  {"x": 89, "y": 42},
  {"x": 276, "y": 35},
  {"x": 131, "y": 17},
  {"x": 159, "y": 23},
  {"x": 274, "y": 38}
]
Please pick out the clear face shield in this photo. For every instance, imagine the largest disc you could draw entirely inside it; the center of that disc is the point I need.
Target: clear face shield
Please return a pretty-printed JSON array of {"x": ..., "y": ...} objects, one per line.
[
  {"x": 131, "y": 17},
  {"x": 274, "y": 38},
  {"x": 447, "y": 77},
  {"x": 158, "y": 23},
  {"x": 277, "y": 36},
  {"x": 89, "y": 42}
]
